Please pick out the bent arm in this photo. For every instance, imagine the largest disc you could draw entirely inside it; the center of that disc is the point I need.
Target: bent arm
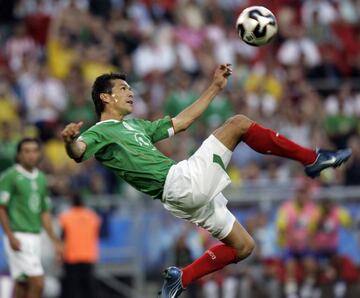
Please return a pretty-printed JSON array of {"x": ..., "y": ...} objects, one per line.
[
  {"x": 75, "y": 149},
  {"x": 186, "y": 117}
]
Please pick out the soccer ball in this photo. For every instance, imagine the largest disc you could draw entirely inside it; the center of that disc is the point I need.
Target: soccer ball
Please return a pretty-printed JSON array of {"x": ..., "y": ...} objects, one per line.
[{"x": 256, "y": 25}]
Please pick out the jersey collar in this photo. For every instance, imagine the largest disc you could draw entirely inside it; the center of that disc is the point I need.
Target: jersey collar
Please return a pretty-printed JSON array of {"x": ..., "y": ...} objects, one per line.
[
  {"x": 26, "y": 173},
  {"x": 109, "y": 120}
]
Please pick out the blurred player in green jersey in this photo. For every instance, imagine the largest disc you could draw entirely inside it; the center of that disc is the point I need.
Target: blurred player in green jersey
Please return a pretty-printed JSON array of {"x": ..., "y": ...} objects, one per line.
[
  {"x": 24, "y": 211},
  {"x": 190, "y": 189}
]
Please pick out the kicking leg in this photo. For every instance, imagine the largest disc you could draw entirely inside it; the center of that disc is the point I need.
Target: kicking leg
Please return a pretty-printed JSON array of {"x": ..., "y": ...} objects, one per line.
[
  {"x": 266, "y": 141},
  {"x": 235, "y": 247}
]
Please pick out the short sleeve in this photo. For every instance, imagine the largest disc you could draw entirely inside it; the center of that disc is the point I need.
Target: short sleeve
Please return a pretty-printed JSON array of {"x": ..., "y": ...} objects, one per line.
[
  {"x": 5, "y": 188},
  {"x": 46, "y": 204},
  {"x": 159, "y": 129},
  {"x": 92, "y": 139}
]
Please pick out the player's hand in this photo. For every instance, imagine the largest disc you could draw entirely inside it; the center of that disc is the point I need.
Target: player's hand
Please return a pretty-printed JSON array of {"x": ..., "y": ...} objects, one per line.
[
  {"x": 71, "y": 131},
  {"x": 14, "y": 243},
  {"x": 222, "y": 72},
  {"x": 59, "y": 251}
]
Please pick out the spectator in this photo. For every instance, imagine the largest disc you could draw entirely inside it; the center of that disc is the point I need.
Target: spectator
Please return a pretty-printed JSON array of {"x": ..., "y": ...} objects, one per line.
[
  {"x": 293, "y": 224},
  {"x": 327, "y": 75},
  {"x": 8, "y": 145},
  {"x": 299, "y": 50},
  {"x": 341, "y": 120},
  {"x": 18, "y": 46},
  {"x": 45, "y": 100},
  {"x": 145, "y": 56},
  {"x": 80, "y": 227},
  {"x": 325, "y": 227},
  {"x": 327, "y": 13},
  {"x": 9, "y": 104}
]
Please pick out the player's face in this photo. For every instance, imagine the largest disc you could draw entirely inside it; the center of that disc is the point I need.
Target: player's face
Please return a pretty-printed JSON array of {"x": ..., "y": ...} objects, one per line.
[
  {"x": 122, "y": 97},
  {"x": 29, "y": 155},
  {"x": 302, "y": 195}
]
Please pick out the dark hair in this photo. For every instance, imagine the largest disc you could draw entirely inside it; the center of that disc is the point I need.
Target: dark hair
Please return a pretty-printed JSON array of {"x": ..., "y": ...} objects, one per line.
[
  {"x": 76, "y": 200},
  {"x": 27, "y": 140},
  {"x": 104, "y": 84}
]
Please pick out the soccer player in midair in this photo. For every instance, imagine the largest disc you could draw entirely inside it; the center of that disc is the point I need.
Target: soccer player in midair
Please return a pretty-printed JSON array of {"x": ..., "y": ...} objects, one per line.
[{"x": 189, "y": 189}]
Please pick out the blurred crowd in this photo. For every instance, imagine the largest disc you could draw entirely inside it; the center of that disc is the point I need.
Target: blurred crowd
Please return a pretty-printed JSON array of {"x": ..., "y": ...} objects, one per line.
[{"x": 305, "y": 84}]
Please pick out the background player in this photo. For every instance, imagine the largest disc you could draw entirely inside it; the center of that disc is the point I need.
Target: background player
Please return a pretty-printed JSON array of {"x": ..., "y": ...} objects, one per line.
[
  {"x": 190, "y": 189},
  {"x": 293, "y": 223},
  {"x": 24, "y": 210}
]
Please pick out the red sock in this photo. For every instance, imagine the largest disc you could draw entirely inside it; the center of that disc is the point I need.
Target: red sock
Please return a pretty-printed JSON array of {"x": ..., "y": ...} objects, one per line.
[
  {"x": 212, "y": 260},
  {"x": 267, "y": 141}
]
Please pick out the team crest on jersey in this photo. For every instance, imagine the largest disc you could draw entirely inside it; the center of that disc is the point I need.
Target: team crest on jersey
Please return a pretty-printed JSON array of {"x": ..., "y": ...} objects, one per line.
[{"x": 140, "y": 138}]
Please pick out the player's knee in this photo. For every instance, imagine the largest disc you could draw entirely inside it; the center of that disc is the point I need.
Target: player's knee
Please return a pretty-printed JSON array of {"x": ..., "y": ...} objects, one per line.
[
  {"x": 37, "y": 283},
  {"x": 241, "y": 123},
  {"x": 246, "y": 248}
]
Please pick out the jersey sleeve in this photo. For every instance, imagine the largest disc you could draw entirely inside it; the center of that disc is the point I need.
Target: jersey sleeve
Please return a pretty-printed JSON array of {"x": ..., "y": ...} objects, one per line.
[
  {"x": 159, "y": 129},
  {"x": 92, "y": 139},
  {"x": 5, "y": 188}
]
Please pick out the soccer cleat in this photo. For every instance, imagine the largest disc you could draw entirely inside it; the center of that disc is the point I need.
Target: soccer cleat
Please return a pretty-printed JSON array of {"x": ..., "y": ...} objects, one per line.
[
  {"x": 326, "y": 159},
  {"x": 172, "y": 287}
]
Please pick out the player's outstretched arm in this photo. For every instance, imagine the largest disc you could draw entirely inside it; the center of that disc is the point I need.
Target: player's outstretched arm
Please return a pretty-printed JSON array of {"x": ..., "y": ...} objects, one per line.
[
  {"x": 186, "y": 117},
  {"x": 75, "y": 149}
]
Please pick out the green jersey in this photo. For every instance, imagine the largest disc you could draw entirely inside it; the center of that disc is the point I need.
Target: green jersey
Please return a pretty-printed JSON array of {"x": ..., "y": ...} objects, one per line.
[
  {"x": 25, "y": 196},
  {"x": 126, "y": 147}
]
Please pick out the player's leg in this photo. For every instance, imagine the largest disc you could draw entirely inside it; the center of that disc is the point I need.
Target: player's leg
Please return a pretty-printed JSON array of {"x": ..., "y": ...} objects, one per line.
[
  {"x": 36, "y": 286},
  {"x": 20, "y": 290},
  {"x": 290, "y": 284},
  {"x": 310, "y": 267},
  {"x": 235, "y": 247},
  {"x": 266, "y": 141}
]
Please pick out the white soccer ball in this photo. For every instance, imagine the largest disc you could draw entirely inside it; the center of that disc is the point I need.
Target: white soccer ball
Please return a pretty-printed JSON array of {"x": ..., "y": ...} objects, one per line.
[{"x": 256, "y": 25}]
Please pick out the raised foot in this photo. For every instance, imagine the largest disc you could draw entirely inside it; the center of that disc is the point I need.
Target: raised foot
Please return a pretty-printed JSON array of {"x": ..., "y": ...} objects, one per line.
[{"x": 326, "y": 159}]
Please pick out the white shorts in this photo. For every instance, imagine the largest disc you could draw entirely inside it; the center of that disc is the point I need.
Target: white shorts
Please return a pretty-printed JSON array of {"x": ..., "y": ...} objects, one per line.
[
  {"x": 192, "y": 189},
  {"x": 27, "y": 261}
]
